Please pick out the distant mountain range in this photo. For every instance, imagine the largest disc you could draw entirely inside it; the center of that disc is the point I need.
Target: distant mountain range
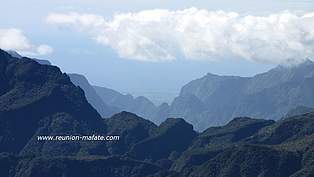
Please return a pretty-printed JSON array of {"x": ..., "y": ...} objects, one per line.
[
  {"x": 109, "y": 102},
  {"x": 39, "y": 100},
  {"x": 214, "y": 100},
  {"x": 17, "y": 55},
  {"x": 141, "y": 105},
  {"x": 92, "y": 97}
]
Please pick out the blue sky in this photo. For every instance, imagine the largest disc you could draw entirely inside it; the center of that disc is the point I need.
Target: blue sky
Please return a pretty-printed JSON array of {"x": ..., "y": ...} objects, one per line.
[{"x": 88, "y": 49}]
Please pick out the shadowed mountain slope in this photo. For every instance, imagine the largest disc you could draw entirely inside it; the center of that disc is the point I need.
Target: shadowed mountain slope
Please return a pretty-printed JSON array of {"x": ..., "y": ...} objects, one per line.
[
  {"x": 161, "y": 144},
  {"x": 251, "y": 147},
  {"x": 36, "y": 100}
]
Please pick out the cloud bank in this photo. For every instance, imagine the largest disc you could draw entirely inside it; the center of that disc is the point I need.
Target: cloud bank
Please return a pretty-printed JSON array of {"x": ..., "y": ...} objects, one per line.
[
  {"x": 14, "y": 39},
  {"x": 164, "y": 35}
]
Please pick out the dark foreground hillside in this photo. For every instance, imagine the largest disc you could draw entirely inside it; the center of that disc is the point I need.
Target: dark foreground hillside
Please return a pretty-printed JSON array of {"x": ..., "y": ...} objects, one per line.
[{"x": 40, "y": 100}]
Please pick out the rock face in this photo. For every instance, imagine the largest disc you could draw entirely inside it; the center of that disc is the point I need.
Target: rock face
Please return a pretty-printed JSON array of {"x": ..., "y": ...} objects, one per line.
[
  {"x": 39, "y": 99},
  {"x": 213, "y": 100}
]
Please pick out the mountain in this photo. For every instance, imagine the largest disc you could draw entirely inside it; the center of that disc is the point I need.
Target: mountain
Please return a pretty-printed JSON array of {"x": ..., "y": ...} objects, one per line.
[
  {"x": 215, "y": 140},
  {"x": 39, "y": 100},
  {"x": 81, "y": 81},
  {"x": 139, "y": 105},
  {"x": 131, "y": 128},
  {"x": 163, "y": 136},
  {"x": 213, "y": 100},
  {"x": 92, "y": 97},
  {"x": 252, "y": 147},
  {"x": 109, "y": 102}
]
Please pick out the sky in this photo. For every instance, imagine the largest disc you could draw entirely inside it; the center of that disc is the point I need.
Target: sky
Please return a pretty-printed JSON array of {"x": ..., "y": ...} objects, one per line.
[{"x": 154, "y": 47}]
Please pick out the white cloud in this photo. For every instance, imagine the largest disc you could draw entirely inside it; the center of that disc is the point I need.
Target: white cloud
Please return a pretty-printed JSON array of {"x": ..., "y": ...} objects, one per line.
[
  {"x": 14, "y": 39},
  {"x": 163, "y": 35},
  {"x": 44, "y": 49}
]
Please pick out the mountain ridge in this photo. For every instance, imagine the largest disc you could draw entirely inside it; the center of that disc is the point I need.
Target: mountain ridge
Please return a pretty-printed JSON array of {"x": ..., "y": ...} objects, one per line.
[{"x": 212, "y": 99}]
